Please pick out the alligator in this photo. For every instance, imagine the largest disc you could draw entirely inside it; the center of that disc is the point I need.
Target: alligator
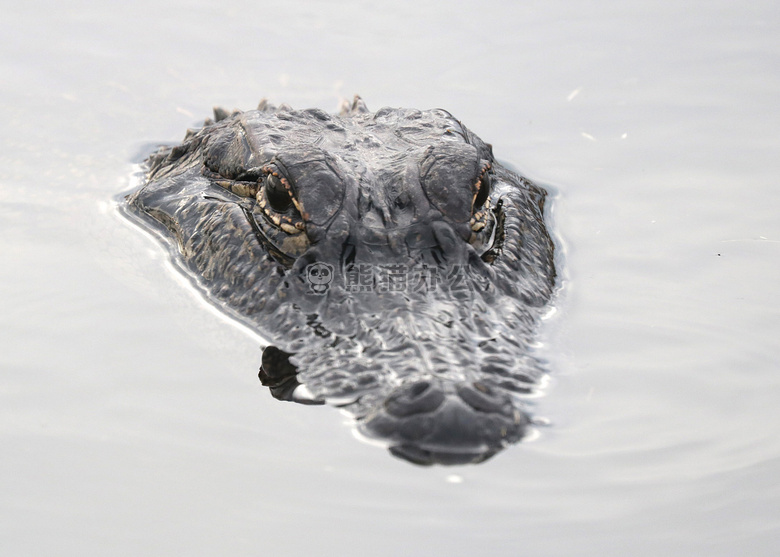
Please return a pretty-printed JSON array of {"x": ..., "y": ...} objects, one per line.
[{"x": 396, "y": 269}]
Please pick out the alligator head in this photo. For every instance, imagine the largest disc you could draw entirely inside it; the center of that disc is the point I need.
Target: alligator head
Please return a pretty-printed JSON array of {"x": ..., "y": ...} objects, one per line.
[{"x": 397, "y": 269}]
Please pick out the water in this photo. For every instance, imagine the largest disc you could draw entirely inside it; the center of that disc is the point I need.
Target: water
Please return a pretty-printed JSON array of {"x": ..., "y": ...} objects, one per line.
[{"x": 131, "y": 417}]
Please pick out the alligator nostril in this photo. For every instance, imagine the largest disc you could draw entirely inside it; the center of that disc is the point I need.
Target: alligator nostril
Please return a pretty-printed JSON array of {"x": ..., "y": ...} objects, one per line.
[
  {"x": 419, "y": 388},
  {"x": 419, "y": 398},
  {"x": 484, "y": 398}
]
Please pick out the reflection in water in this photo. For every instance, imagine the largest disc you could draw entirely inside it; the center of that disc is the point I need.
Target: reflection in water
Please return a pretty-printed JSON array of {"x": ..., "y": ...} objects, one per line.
[{"x": 398, "y": 269}]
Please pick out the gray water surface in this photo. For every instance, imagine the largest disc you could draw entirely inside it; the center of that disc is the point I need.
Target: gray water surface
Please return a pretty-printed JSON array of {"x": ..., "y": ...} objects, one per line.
[{"x": 131, "y": 418}]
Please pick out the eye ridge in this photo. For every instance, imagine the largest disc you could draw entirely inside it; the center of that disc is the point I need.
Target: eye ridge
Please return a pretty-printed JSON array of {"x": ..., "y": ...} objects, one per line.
[
  {"x": 242, "y": 188},
  {"x": 213, "y": 169}
]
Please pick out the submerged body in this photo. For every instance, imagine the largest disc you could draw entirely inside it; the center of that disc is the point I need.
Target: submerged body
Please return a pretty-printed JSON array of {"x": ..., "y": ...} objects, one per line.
[{"x": 397, "y": 269}]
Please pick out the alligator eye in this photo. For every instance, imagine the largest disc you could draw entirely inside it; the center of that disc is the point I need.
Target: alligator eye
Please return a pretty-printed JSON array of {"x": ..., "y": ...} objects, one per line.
[
  {"x": 278, "y": 197},
  {"x": 483, "y": 189},
  {"x": 484, "y": 217}
]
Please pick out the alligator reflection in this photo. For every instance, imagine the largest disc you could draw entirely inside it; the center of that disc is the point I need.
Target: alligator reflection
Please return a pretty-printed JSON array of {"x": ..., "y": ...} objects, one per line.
[{"x": 398, "y": 270}]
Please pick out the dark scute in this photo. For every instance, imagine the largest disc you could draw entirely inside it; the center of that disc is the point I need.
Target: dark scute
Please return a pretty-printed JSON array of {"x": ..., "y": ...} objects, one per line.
[
  {"x": 220, "y": 113},
  {"x": 318, "y": 114}
]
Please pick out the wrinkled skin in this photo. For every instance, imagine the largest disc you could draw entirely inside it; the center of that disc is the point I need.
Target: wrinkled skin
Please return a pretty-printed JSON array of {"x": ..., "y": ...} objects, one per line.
[{"x": 277, "y": 212}]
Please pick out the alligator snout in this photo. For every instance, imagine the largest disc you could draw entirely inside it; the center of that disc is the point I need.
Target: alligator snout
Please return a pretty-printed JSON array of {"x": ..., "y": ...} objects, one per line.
[{"x": 443, "y": 421}]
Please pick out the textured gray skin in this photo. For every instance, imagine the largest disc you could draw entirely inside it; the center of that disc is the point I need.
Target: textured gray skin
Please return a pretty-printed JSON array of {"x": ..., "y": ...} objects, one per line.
[{"x": 432, "y": 372}]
